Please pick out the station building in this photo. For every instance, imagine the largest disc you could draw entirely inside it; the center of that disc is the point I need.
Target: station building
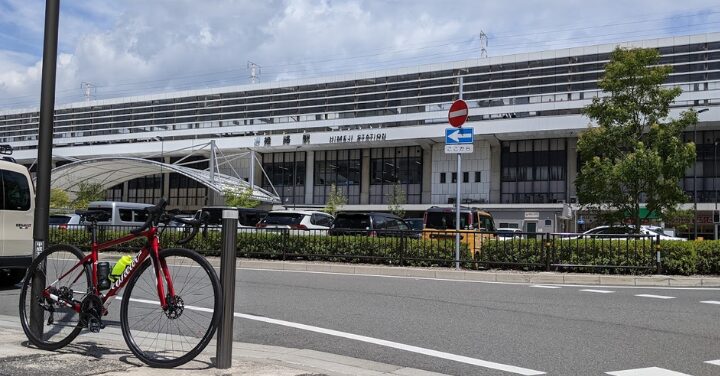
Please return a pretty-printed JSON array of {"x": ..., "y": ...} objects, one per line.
[{"x": 366, "y": 132}]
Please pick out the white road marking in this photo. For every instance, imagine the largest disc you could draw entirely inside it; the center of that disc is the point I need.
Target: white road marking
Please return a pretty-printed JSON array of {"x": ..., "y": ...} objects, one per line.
[
  {"x": 710, "y": 302},
  {"x": 598, "y": 291},
  {"x": 546, "y": 287},
  {"x": 714, "y": 362},
  {"x": 654, "y": 296},
  {"x": 375, "y": 341},
  {"x": 652, "y": 371}
]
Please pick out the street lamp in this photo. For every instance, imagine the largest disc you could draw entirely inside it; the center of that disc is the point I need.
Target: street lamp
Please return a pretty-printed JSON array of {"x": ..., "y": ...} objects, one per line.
[{"x": 695, "y": 175}]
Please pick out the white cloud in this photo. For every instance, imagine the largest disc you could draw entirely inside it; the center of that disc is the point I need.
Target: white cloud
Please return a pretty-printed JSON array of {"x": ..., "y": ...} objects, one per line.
[{"x": 137, "y": 46}]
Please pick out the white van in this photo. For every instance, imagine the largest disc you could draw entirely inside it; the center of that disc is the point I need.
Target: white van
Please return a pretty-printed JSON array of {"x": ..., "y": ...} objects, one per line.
[
  {"x": 17, "y": 209},
  {"x": 121, "y": 213}
]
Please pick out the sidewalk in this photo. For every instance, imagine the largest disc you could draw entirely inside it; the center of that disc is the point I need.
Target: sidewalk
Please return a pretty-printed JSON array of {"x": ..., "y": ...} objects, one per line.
[{"x": 105, "y": 353}]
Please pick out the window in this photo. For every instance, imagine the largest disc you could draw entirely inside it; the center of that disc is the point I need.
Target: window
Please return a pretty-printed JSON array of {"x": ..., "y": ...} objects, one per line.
[
  {"x": 15, "y": 191},
  {"x": 453, "y": 178},
  {"x": 478, "y": 176},
  {"x": 393, "y": 166},
  {"x": 286, "y": 174},
  {"x": 466, "y": 177},
  {"x": 533, "y": 171},
  {"x": 442, "y": 178}
]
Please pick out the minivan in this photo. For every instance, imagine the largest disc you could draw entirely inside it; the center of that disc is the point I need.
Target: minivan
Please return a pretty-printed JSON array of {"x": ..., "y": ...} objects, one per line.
[
  {"x": 121, "y": 213},
  {"x": 17, "y": 213},
  {"x": 371, "y": 224}
]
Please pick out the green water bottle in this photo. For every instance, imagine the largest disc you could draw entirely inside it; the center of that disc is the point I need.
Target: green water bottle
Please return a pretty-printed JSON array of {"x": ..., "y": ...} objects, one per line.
[{"x": 119, "y": 268}]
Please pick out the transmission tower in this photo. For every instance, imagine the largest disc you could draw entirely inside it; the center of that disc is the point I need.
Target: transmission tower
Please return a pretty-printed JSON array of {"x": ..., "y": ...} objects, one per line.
[
  {"x": 88, "y": 90},
  {"x": 254, "y": 71},
  {"x": 483, "y": 44}
]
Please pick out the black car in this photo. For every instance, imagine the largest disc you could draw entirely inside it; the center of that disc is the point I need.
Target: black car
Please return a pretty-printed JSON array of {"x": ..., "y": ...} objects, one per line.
[{"x": 371, "y": 224}]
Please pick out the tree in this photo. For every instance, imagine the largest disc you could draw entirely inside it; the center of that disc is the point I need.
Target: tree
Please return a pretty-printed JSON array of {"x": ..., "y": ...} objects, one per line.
[
  {"x": 636, "y": 152},
  {"x": 335, "y": 201},
  {"x": 59, "y": 199},
  {"x": 240, "y": 197},
  {"x": 397, "y": 199},
  {"x": 87, "y": 192}
]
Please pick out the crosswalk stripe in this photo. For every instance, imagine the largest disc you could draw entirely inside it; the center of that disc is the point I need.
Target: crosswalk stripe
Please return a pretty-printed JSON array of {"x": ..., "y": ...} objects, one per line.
[
  {"x": 546, "y": 287},
  {"x": 710, "y": 302},
  {"x": 654, "y": 296},
  {"x": 652, "y": 371},
  {"x": 598, "y": 291},
  {"x": 714, "y": 362}
]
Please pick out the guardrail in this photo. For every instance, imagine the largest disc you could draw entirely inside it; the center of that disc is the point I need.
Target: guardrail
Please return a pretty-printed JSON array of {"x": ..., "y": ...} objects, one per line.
[{"x": 479, "y": 250}]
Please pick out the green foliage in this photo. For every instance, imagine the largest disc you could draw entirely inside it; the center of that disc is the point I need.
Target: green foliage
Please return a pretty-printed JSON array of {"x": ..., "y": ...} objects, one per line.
[
  {"x": 635, "y": 151},
  {"x": 335, "y": 201},
  {"x": 397, "y": 200},
  {"x": 240, "y": 198},
  {"x": 59, "y": 199},
  {"x": 86, "y": 193}
]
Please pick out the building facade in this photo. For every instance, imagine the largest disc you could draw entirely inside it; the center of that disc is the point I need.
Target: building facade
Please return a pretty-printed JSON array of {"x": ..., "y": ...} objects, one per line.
[{"x": 367, "y": 133}]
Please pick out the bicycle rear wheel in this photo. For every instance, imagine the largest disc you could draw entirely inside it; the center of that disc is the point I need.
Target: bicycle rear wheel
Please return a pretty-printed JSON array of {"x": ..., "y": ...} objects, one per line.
[
  {"x": 173, "y": 336},
  {"x": 60, "y": 324}
]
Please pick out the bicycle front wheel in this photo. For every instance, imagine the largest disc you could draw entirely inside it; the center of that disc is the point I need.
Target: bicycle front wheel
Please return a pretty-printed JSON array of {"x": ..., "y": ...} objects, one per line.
[
  {"x": 174, "y": 335},
  {"x": 58, "y": 324}
]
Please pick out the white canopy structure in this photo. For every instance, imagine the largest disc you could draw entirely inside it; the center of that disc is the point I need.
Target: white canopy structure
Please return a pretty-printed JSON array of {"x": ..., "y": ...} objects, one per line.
[{"x": 111, "y": 171}]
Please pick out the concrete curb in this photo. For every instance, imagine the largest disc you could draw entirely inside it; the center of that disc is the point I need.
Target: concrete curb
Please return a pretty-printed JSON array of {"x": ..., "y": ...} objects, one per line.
[
  {"x": 487, "y": 276},
  {"x": 106, "y": 353}
]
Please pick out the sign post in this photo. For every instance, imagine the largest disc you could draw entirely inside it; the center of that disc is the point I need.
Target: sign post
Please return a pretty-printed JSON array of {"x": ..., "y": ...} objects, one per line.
[{"x": 458, "y": 141}]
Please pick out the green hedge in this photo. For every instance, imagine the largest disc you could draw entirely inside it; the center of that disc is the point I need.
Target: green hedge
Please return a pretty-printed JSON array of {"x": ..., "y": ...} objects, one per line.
[{"x": 683, "y": 258}]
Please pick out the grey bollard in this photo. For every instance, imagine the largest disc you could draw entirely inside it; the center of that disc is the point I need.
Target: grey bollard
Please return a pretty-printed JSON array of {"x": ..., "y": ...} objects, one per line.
[{"x": 227, "y": 281}]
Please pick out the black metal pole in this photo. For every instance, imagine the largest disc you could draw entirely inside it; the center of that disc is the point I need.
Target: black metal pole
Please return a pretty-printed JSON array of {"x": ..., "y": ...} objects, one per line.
[
  {"x": 227, "y": 281},
  {"x": 44, "y": 159}
]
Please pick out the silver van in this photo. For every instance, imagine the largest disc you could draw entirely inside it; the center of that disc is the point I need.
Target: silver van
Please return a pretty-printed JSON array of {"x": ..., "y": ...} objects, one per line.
[{"x": 121, "y": 213}]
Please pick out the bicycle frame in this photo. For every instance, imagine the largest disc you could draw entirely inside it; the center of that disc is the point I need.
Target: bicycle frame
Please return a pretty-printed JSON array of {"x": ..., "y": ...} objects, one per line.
[{"x": 160, "y": 266}]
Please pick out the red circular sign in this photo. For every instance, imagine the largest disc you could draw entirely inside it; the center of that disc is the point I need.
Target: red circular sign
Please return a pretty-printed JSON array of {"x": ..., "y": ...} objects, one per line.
[{"x": 458, "y": 113}]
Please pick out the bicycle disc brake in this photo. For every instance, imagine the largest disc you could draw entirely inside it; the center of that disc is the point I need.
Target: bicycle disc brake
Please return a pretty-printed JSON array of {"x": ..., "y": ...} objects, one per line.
[{"x": 90, "y": 312}]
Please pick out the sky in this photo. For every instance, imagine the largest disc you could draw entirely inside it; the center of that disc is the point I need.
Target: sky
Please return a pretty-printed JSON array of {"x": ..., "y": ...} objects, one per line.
[{"x": 123, "y": 48}]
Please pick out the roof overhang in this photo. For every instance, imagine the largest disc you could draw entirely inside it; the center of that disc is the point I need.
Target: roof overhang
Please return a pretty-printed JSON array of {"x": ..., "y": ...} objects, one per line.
[{"x": 111, "y": 171}]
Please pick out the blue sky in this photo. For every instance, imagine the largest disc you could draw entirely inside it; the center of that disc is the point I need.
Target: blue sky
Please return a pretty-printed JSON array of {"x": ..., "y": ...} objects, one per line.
[{"x": 135, "y": 47}]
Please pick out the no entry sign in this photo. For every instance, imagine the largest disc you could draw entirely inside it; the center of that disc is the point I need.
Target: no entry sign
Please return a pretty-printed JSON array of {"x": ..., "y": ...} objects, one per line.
[{"x": 458, "y": 113}]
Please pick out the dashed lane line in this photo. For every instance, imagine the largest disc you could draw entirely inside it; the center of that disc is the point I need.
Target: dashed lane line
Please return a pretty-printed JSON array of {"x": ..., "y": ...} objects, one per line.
[
  {"x": 598, "y": 291},
  {"x": 654, "y": 296},
  {"x": 714, "y": 362},
  {"x": 651, "y": 371},
  {"x": 546, "y": 287},
  {"x": 711, "y": 302}
]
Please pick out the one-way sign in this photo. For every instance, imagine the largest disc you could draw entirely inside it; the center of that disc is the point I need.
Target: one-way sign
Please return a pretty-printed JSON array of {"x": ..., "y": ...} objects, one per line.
[{"x": 454, "y": 136}]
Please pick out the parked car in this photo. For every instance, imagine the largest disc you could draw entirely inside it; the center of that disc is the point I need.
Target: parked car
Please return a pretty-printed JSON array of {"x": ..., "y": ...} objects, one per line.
[
  {"x": 626, "y": 232},
  {"x": 16, "y": 219},
  {"x": 63, "y": 221},
  {"x": 247, "y": 217},
  {"x": 507, "y": 233},
  {"x": 415, "y": 223},
  {"x": 371, "y": 224},
  {"x": 307, "y": 221}
]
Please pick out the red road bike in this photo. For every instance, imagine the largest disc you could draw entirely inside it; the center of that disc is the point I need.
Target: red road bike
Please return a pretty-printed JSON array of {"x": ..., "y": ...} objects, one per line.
[{"x": 168, "y": 314}]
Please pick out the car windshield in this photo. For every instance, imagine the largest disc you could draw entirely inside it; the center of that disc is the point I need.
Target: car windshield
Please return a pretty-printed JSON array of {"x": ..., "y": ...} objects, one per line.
[
  {"x": 58, "y": 219},
  {"x": 415, "y": 223},
  {"x": 444, "y": 220},
  {"x": 282, "y": 219},
  {"x": 357, "y": 221}
]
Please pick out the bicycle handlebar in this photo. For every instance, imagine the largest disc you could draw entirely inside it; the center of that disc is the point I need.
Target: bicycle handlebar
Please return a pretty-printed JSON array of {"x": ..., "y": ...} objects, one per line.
[{"x": 157, "y": 215}]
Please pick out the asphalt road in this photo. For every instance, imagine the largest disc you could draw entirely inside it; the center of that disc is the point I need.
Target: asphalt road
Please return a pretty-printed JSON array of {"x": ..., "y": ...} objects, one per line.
[{"x": 475, "y": 328}]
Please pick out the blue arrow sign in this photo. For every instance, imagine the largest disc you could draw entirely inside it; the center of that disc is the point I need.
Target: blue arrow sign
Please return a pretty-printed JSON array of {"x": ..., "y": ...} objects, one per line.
[{"x": 454, "y": 136}]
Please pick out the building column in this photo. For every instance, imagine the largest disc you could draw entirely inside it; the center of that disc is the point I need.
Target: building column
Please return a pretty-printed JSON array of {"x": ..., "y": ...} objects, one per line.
[
  {"x": 426, "y": 188},
  {"x": 571, "y": 169},
  {"x": 365, "y": 177},
  {"x": 309, "y": 176},
  {"x": 495, "y": 170}
]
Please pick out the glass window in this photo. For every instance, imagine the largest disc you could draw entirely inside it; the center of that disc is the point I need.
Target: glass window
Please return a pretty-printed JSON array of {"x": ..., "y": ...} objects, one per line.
[
  {"x": 16, "y": 191},
  {"x": 442, "y": 178},
  {"x": 478, "y": 176},
  {"x": 466, "y": 177},
  {"x": 533, "y": 171}
]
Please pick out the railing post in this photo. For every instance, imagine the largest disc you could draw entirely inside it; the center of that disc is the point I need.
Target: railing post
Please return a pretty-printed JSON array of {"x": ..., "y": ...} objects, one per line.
[
  {"x": 227, "y": 282},
  {"x": 547, "y": 249},
  {"x": 658, "y": 260}
]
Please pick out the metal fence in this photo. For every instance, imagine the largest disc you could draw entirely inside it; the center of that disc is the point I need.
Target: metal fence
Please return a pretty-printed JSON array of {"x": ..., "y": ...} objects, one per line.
[{"x": 479, "y": 250}]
